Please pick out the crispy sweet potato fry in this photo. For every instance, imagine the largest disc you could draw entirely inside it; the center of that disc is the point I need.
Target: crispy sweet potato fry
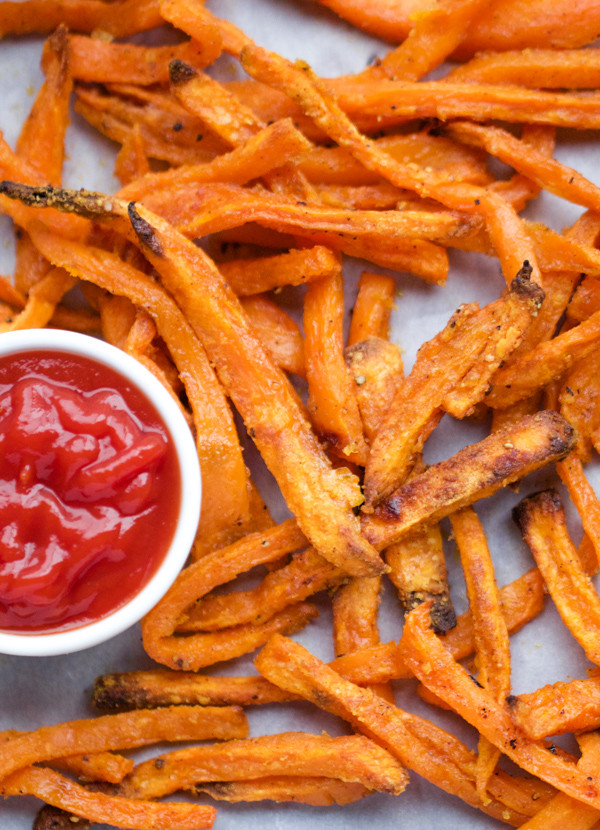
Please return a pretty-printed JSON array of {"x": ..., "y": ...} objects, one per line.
[
  {"x": 331, "y": 402},
  {"x": 295, "y": 267},
  {"x": 564, "y": 706},
  {"x": 372, "y": 308},
  {"x": 541, "y": 26},
  {"x": 378, "y": 372},
  {"x": 43, "y": 16},
  {"x": 585, "y": 500},
  {"x": 121, "y": 731},
  {"x": 160, "y": 687},
  {"x": 352, "y": 758},
  {"x": 534, "y": 68},
  {"x": 421, "y": 746},
  {"x": 319, "y": 792},
  {"x": 61, "y": 792},
  {"x": 280, "y": 335},
  {"x": 492, "y": 650},
  {"x": 542, "y": 521},
  {"x": 436, "y": 668},
  {"x": 473, "y": 473}
]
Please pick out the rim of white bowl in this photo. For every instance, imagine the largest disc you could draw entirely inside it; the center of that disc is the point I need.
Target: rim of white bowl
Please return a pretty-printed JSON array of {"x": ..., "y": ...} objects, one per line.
[{"x": 94, "y": 633}]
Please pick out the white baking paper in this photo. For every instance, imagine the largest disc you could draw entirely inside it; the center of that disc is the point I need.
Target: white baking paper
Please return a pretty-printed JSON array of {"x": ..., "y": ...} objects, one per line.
[{"x": 34, "y": 692}]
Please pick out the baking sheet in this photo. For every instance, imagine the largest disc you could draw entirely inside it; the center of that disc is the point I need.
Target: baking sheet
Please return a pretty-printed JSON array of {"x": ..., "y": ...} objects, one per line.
[{"x": 37, "y": 691}]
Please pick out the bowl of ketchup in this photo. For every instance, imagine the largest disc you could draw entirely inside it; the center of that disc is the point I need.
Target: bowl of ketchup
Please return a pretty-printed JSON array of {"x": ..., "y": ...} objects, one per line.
[{"x": 99, "y": 491}]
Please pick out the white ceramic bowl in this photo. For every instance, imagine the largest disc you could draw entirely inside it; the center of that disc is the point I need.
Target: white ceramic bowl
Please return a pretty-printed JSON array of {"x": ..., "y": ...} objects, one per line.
[{"x": 87, "y": 635}]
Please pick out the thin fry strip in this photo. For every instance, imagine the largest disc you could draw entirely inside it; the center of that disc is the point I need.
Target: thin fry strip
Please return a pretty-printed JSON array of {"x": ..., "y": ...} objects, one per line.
[
  {"x": 492, "y": 650},
  {"x": 372, "y": 308},
  {"x": 418, "y": 572},
  {"x": 352, "y": 758},
  {"x": 378, "y": 372},
  {"x": 280, "y": 335},
  {"x": 434, "y": 754},
  {"x": 542, "y": 522},
  {"x": 121, "y": 731},
  {"x": 435, "y": 667},
  {"x": 294, "y": 267},
  {"x": 61, "y": 792},
  {"x": 160, "y": 687},
  {"x": 534, "y": 68},
  {"x": 436, "y": 33},
  {"x": 43, "y": 16},
  {"x": 96, "y": 766},
  {"x": 306, "y": 573},
  {"x": 319, "y": 792},
  {"x": 41, "y": 303},
  {"x": 585, "y": 500},
  {"x": 543, "y": 25},
  {"x": 98, "y": 61},
  {"x": 473, "y": 473},
  {"x": 331, "y": 401}
]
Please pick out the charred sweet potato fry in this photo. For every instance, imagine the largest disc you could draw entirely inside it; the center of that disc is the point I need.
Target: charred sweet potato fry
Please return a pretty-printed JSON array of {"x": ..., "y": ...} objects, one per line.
[{"x": 473, "y": 473}]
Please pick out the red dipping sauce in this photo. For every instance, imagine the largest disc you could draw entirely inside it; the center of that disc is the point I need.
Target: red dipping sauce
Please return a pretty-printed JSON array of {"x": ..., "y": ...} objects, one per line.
[{"x": 90, "y": 491}]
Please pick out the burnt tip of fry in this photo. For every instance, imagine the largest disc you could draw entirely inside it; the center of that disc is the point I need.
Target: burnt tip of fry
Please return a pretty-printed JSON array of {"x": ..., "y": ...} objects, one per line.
[
  {"x": 523, "y": 287},
  {"x": 443, "y": 615},
  {"x": 53, "y": 818},
  {"x": 144, "y": 230},
  {"x": 86, "y": 203},
  {"x": 544, "y": 502},
  {"x": 181, "y": 72}
]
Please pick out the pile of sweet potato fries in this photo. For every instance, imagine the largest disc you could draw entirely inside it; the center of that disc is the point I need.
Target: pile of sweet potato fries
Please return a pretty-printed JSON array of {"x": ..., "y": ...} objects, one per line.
[{"x": 231, "y": 193}]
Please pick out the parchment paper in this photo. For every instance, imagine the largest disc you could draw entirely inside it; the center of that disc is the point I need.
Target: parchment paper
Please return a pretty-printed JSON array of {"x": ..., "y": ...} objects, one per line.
[{"x": 34, "y": 692}]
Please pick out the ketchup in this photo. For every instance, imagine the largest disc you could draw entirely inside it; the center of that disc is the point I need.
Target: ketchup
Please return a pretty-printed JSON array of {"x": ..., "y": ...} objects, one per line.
[{"x": 89, "y": 491}]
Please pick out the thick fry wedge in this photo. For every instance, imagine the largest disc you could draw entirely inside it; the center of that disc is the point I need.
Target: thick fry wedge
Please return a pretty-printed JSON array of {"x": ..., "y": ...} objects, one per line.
[{"x": 473, "y": 473}]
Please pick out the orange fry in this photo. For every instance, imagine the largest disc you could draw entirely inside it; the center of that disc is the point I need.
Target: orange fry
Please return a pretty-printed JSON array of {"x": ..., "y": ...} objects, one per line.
[
  {"x": 295, "y": 267},
  {"x": 331, "y": 402},
  {"x": 277, "y": 331},
  {"x": 564, "y": 706},
  {"x": 43, "y": 16},
  {"x": 372, "y": 308},
  {"x": 473, "y": 473},
  {"x": 585, "y": 500},
  {"x": 59, "y": 791},
  {"x": 542, "y": 521},
  {"x": 534, "y": 68},
  {"x": 121, "y": 731}
]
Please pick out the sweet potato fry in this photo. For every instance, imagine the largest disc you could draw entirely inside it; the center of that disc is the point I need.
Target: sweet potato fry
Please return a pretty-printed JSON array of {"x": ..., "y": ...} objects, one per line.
[
  {"x": 580, "y": 403},
  {"x": 218, "y": 445},
  {"x": 195, "y": 20},
  {"x": 353, "y": 759},
  {"x": 542, "y": 521},
  {"x": 564, "y": 706},
  {"x": 305, "y": 574},
  {"x": 418, "y": 572},
  {"x": 160, "y": 687},
  {"x": 331, "y": 402},
  {"x": 473, "y": 473},
  {"x": 585, "y": 500},
  {"x": 121, "y": 731},
  {"x": 43, "y": 16},
  {"x": 378, "y": 372},
  {"x": 319, "y": 792},
  {"x": 542, "y": 26},
  {"x": 61, "y": 792},
  {"x": 102, "y": 62},
  {"x": 96, "y": 766},
  {"x": 492, "y": 650},
  {"x": 295, "y": 267},
  {"x": 372, "y": 308},
  {"x": 533, "y": 68},
  {"x": 436, "y": 668},
  {"x": 280, "y": 335},
  {"x": 428, "y": 750}
]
